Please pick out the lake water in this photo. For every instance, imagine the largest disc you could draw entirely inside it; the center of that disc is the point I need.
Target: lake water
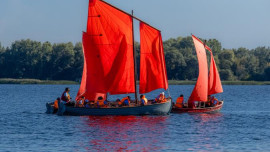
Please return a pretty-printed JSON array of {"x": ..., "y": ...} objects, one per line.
[{"x": 242, "y": 125}]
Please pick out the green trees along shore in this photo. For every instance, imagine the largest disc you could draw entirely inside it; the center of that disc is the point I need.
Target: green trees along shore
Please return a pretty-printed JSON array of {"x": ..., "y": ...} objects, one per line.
[{"x": 28, "y": 59}]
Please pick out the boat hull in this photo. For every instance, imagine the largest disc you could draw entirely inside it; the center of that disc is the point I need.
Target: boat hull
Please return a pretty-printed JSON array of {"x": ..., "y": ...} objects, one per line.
[
  {"x": 199, "y": 110},
  {"x": 153, "y": 109}
]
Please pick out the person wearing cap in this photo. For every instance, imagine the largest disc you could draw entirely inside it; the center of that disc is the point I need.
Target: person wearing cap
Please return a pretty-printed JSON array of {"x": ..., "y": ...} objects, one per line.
[
  {"x": 65, "y": 96},
  {"x": 160, "y": 98}
]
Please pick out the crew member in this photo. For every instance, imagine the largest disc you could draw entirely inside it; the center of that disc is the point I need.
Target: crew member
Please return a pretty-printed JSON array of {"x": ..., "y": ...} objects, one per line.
[
  {"x": 100, "y": 102},
  {"x": 144, "y": 101},
  {"x": 65, "y": 96},
  {"x": 55, "y": 104},
  {"x": 180, "y": 102},
  {"x": 80, "y": 102},
  {"x": 160, "y": 98},
  {"x": 214, "y": 101},
  {"x": 125, "y": 101}
]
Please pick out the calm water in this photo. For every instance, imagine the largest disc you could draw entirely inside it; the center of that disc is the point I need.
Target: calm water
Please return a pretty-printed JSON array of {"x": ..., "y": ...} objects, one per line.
[{"x": 242, "y": 125}]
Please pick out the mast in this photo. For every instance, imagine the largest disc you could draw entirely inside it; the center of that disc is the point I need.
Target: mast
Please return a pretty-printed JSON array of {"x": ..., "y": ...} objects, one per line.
[{"x": 134, "y": 59}]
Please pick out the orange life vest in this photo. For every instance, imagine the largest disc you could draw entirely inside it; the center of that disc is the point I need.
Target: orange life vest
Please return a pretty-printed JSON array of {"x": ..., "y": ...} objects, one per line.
[
  {"x": 179, "y": 102},
  {"x": 162, "y": 98},
  {"x": 78, "y": 104},
  {"x": 125, "y": 98},
  {"x": 55, "y": 104},
  {"x": 100, "y": 103}
]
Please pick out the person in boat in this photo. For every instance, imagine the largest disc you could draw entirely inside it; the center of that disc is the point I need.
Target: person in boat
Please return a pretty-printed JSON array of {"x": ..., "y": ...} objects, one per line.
[
  {"x": 87, "y": 104},
  {"x": 80, "y": 102},
  {"x": 101, "y": 103},
  {"x": 65, "y": 96},
  {"x": 180, "y": 102},
  {"x": 144, "y": 101},
  {"x": 86, "y": 101},
  {"x": 118, "y": 102},
  {"x": 214, "y": 101},
  {"x": 55, "y": 104},
  {"x": 208, "y": 103},
  {"x": 160, "y": 98},
  {"x": 125, "y": 101}
]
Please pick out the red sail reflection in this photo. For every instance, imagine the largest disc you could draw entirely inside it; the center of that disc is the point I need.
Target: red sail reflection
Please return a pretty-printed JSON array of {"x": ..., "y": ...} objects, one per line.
[
  {"x": 125, "y": 133},
  {"x": 205, "y": 132}
]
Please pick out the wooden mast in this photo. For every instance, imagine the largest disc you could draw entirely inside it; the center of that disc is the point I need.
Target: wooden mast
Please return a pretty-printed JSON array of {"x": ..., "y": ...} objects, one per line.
[{"x": 134, "y": 59}]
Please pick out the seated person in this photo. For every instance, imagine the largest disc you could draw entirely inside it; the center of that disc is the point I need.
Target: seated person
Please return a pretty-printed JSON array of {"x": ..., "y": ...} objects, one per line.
[
  {"x": 180, "y": 102},
  {"x": 55, "y": 104},
  {"x": 86, "y": 101},
  {"x": 66, "y": 97},
  {"x": 144, "y": 101},
  {"x": 160, "y": 98},
  {"x": 80, "y": 102},
  {"x": 214, "y": 101},
  {"x": 125, "y": 101},
  {"x": 118, "y": 102},
  {"x": 208, "y": 103},
  {"x": 100, "y": 102}
]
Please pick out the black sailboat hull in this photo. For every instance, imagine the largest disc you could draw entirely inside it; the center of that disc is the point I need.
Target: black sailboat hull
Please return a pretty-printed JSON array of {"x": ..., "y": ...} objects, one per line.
[{"x": 153, "y": 109}]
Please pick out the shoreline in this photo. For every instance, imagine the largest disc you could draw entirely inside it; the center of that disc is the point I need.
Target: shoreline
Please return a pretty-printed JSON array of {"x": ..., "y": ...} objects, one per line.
[{"x": 171, "y": 82}]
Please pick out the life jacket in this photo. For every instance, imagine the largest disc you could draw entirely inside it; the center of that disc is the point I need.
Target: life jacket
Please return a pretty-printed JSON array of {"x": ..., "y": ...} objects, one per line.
[
  {"x": 125, "y": 101},
  {"x": 65, "y": 96},
  {"x": 55, "y": 104},
  {"x": 214, "y": 101},
  {"x": 179, "y": 102},
  {"x": 100, "y": 103},
  {"x": 160, "y": 98},
  {"x": 144, "y": 101},
  {"x": 80, "y": 103}
]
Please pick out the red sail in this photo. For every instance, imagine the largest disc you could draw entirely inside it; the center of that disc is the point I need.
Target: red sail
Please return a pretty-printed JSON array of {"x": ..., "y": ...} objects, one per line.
[
  {"x": 108, "y": 52},
  {"x": 214, "y": 83},
  {"x": 200, "y": 91},
  {"x": 153, "y": 74}
]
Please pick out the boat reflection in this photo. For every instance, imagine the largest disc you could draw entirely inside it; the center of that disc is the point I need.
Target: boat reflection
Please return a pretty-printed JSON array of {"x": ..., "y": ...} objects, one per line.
[
  {"x": 206, "y": 133},
  {"x": 125, "y": 133}
]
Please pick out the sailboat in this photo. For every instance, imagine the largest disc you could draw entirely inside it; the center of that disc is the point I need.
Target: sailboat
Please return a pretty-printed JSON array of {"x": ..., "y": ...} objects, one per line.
[
  {"x": 110, "y": 64},
  {"x": 207, "y": 83}
]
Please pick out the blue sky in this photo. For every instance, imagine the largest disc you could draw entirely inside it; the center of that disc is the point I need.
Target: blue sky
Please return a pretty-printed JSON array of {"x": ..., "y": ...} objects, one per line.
[{"x": 235, "y": 23}]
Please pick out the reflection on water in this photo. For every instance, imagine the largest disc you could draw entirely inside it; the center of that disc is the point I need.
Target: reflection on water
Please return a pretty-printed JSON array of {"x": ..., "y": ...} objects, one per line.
[
  {"x": 128, "y": 133},
  {"x": 242, "y": 125},
  {"x": 206, "y": 127}
]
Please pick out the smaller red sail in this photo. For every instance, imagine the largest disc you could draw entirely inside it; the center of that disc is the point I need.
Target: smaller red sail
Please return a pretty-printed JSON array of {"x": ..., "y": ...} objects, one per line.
[
  {"x": 214, "y": 83},
  {"x": 153, "y": 74},
  {"x": 200, "y": 90}
]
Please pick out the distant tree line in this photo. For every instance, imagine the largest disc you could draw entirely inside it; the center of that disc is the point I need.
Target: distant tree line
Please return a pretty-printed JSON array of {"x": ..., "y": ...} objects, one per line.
[{"x": 64, "y": 61}]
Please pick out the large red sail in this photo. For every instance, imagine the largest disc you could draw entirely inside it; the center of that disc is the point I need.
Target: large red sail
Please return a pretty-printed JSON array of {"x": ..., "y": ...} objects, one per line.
[
  {"x": 214, "y": 83},
  {"x": 200, "y": 91},
  {"x": 108, "y": 52},
  {"x": 153, "y": 73}
]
